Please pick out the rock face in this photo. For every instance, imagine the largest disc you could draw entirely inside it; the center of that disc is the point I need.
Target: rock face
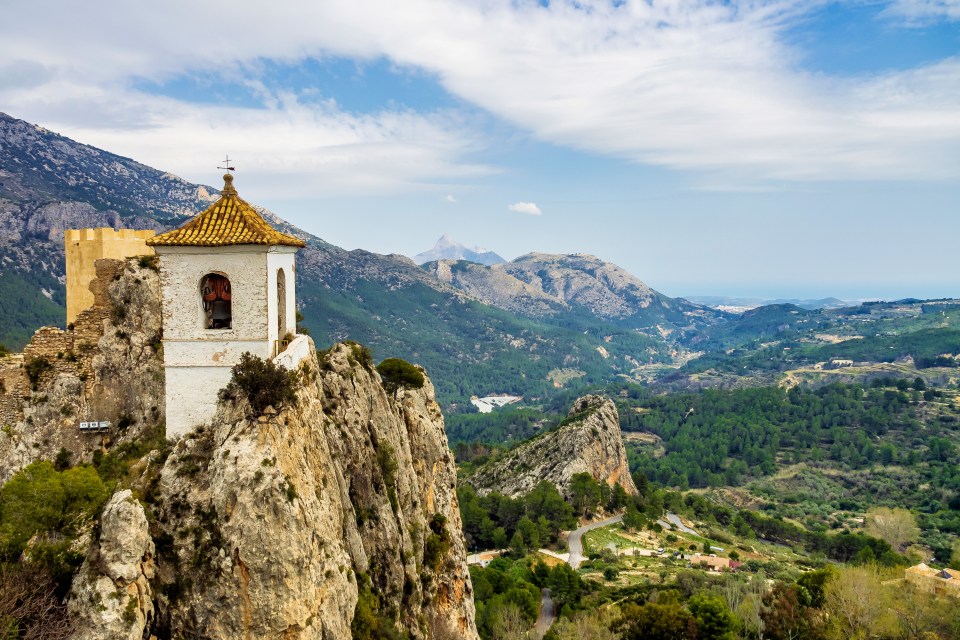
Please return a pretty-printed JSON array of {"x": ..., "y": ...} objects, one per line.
[
  {"x": 105, "y": 367},
  {"x": 540, "y": 284},
  {"x": 275, "y": 526},
  {"x": 588, "y": 440},
  {"x": 112, "y": 597}
]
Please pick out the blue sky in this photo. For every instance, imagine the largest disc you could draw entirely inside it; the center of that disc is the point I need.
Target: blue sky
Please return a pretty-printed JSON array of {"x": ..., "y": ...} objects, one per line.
[{"x": 777, "y": 148}]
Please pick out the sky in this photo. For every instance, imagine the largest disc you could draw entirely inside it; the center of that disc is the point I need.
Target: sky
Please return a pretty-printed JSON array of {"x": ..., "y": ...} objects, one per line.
[{"x": 769, "y": 148}]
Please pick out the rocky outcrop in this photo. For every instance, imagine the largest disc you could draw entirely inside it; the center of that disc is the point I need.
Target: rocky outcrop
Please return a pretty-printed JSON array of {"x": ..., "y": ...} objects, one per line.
[
  {"x": 112, "y": 598},
  {"x": 104, "y": 368},
  {"x": 587, "y": 440},
  {"x": 276, "y": 526}
]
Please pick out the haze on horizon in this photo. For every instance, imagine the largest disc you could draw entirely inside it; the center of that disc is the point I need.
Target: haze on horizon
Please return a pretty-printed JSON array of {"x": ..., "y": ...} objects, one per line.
[{"x": 772, "y": 148}]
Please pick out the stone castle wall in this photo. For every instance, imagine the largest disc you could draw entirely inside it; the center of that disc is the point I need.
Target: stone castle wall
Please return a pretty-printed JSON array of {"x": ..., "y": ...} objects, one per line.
[
  {"x": 84, "y": 247},
  {"x": 105, "y": 366}
]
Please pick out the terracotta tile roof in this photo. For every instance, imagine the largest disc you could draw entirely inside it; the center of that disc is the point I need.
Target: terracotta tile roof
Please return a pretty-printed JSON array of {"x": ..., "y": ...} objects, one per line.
[{"x": 228, "y": 221}]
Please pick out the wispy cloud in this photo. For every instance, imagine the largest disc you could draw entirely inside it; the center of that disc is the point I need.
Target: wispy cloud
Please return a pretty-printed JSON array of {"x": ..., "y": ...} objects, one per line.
[
  {"x": 528, "y": 208},
  {"x": 686, "y": 84},
  {"x": 921, "y": 12},
  {"x": 450, "y": 198}
]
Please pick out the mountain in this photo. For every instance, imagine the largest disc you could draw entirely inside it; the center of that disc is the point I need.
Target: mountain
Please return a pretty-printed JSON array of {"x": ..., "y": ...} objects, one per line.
[
  {"x": 576, "y": 325},
  {"x": 545, "y": 285},
  {"x": 588, "y": 440},
  {"x": 449, "y": 249},
  {"x": 49, "y": 183}
]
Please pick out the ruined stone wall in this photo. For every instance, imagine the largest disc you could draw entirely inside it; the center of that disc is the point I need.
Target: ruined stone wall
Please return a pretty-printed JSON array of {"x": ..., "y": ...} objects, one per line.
[
  {"x": 83, "y": 247},
  {"x": 104, "y": 367}
]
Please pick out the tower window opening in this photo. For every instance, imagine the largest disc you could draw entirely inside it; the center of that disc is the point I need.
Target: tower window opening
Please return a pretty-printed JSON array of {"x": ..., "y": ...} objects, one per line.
[{"x": 215, "y": 295}]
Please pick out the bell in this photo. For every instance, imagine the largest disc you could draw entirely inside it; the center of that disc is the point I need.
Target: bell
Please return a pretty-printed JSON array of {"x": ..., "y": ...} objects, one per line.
[{"x": 220, "y": 311}]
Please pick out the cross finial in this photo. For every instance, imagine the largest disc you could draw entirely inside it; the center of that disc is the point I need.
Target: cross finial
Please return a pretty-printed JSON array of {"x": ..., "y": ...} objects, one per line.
[{"x": 226, "y": 165}]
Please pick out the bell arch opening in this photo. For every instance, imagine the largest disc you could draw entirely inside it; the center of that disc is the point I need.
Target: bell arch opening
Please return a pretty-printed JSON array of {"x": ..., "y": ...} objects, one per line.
[{"x": 216, "y": 299}]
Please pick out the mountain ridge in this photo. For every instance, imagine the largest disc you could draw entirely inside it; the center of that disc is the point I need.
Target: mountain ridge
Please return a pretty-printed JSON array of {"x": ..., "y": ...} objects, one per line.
[{"x": 472, "y": 344}]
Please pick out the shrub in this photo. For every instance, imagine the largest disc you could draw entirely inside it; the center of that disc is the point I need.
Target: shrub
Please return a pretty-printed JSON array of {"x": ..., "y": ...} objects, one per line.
[
  {"x": 437, "y": 544},
  {"x": 359, "y": 354},
  {"x": 29, "y": 604},
  {"x": 262, "y": 382},
  {"x": 149, "y": 262},
  {"x": 397, "y": 373},
  {"x": 62, "y": 461},
  {"x": 35, "y": 369}
]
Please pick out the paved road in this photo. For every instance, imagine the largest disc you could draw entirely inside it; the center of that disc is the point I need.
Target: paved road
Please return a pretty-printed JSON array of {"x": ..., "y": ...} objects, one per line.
[
  {"x": 576, "y": 543},
  {"x": 675, "y": 521},
  {"x": 546, "y": 617}
]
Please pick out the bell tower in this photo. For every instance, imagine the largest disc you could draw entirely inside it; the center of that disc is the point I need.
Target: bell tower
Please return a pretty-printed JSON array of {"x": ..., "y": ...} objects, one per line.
[{"x": 228, "y": 286}]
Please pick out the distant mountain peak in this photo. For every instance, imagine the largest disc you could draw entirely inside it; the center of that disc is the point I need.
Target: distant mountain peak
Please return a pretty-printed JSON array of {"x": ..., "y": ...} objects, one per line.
[{"x": 447, "y": 248}]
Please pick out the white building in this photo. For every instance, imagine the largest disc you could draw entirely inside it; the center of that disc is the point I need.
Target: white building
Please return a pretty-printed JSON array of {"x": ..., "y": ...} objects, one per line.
[{"x": 228, "y": 287}]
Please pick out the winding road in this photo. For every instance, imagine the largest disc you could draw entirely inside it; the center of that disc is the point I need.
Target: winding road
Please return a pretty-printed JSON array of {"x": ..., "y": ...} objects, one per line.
[
  {"x": 547, "y": 615},
  {"x": 575, "y": 541}
]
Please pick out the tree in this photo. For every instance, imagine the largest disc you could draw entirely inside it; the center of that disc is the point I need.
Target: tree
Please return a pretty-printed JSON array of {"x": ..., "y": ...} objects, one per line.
[
  {"x": 509, "y": 623},
  {"x": 633, "y": 519},
  {"x": 714, "y": 620},
  {"x": 898, "y": 527},
  {"x": 857, "y": 605},
  {"x": 784, "y": 617},
  {"x": 656, "y": 621},
  {"x": 517, "y": 546},
  {"x": 586, "y": 493},
  {"x": 499, "y": 538},
  {"x": 396, "y": 373},
  {"x": 814, "y": 583},
  {"x": 530, "y": 532},
  {"x": 587, "y": 625}
]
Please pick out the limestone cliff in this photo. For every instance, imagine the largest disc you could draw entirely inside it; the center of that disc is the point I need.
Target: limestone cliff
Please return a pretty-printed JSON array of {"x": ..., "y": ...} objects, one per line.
[
  {"x": 588, "y": 440},
  {"x": 250, "y": 527},
  {"x": 273, "y": 527}
]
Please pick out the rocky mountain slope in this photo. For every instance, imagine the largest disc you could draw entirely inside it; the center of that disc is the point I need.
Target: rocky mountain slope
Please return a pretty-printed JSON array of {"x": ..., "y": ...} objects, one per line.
[
  {"x": 447, "y": 248},
  {"x": 49, "y": 183},
  {"x": 587, "y": 440},
  {"x": 540, "y": 284},
  {"x": 288, "y": 524},
  {"x": 475, "y": 340}
]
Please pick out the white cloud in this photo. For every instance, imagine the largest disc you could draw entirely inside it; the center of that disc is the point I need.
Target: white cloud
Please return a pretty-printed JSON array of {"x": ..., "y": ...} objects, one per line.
[
  {"x": 450, "y": 198},
  {"x": 528, "y": 208},
  {"x": 924, "y": 11},
  {"x": 685, "y": 84}
]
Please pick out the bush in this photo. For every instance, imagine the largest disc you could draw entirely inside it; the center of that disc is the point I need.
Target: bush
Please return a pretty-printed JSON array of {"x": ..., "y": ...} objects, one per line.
[
  {"x": 437, "y": 544},
  {"x": 262, "y": 382},
  {"x": 359, "y": 354},
  {"x": 35, "y": 369},
  {"x": 149, "y": 262},
  {"x": 29, "y": 604},
  {"x": 397, "y": 373}
]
